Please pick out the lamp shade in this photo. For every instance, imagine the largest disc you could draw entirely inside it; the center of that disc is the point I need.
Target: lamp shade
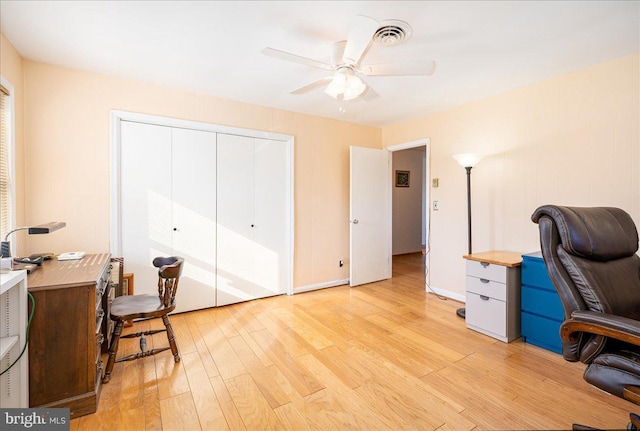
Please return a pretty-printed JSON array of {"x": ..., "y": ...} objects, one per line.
[
  {"x": 468, "y": 160},
  {"x": 46, "y": 228},
  {"x": 345, "y": 85}
]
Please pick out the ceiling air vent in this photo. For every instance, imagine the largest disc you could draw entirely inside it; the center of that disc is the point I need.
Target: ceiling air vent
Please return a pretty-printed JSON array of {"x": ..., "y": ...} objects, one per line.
[{"x": 391, "y": 33}]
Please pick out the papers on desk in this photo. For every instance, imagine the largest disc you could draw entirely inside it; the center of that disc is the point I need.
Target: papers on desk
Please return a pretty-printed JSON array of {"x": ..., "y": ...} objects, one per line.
[{"x": 71, "y": 255}]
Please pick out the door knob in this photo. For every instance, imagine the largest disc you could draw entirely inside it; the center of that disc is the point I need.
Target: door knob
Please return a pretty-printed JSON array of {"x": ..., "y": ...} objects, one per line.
[{"x": 354, "y": 221}]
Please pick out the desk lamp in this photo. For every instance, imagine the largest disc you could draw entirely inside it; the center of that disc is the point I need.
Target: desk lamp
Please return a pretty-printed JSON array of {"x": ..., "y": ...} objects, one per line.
[
  {"x": 33, "y": 230},
  {"x": 467, "y": 161}
]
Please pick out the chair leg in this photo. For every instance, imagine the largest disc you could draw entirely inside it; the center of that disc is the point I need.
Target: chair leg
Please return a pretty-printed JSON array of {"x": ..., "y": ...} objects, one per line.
[
  {"x": 172, "y": 338},
  {"x": 113, "y": 350}
]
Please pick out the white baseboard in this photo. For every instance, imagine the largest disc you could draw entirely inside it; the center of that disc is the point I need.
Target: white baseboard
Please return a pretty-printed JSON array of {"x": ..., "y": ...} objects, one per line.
[
  {"x": 320, "y": 285},
  {"x": 447, "y": 293}
]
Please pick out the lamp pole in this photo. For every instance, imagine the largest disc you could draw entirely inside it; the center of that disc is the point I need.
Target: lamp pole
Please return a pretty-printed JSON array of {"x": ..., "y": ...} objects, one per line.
[
  {"x": 468, "y": 161},
  {"x": 468, "y": 168}
]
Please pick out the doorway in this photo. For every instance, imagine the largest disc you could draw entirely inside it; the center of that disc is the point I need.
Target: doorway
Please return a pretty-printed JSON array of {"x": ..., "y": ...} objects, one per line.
[{"x": 410, "y": 201}]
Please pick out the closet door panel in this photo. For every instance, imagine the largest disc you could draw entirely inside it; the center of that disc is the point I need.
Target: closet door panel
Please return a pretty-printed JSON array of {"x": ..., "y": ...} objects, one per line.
[
  {"x": 145, "y": 200},
  {"x": 235, "y": 242},
  {"x": 271, "y": 216},
  {"x": 193, "y": 155}
]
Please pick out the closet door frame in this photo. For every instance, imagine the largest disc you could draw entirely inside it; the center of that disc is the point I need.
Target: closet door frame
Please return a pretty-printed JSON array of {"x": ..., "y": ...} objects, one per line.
[{"x": 116, "y": 117}]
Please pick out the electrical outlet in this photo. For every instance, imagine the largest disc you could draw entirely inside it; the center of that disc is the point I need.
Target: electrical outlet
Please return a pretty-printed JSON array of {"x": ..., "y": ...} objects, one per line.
[
  {"x": 341, "y": 263},
  {"x": 436, "y": 205}
]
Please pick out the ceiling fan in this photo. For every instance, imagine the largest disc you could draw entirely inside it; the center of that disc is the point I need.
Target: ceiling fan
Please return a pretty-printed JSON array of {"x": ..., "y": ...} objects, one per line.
[{"x": 346, "y": 82}]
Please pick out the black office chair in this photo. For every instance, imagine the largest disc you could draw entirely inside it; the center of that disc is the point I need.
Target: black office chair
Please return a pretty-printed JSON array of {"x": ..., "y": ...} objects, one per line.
[{"x": 590, "y": 254}]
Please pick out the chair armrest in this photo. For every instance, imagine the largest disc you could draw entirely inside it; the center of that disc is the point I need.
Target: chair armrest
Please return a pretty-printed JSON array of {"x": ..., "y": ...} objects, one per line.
[{"x": 609, "y": 325}]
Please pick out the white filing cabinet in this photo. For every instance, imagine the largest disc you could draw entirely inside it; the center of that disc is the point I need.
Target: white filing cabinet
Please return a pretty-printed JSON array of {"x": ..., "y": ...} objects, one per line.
[
  {"x": 14, "y": 385},
  {"x": 493, "y": 294}
]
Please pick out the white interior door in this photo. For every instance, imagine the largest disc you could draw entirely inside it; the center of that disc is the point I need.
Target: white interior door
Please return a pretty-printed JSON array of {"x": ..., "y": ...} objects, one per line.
[
  {"x": 193, "y": 184},
  {"x": 252, "y": 218},
  {"x": 168, "y": 207},
  {"x": 271, "y": 219},
  {"x": 236, "y": 223},
  {"x": 145, "y": 200},
  {"x": 370, "y": 215}
]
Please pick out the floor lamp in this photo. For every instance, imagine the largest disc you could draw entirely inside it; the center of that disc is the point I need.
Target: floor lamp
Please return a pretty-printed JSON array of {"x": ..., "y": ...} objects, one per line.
[{"x": 467, "y": 161}]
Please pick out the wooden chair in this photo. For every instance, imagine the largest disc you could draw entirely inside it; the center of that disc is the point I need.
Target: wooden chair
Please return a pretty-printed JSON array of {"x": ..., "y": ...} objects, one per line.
[{"x": 127, "y": 308}]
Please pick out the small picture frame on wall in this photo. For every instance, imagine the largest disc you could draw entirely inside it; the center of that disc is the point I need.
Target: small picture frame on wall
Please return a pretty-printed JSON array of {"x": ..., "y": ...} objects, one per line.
[{"x": 402, "y": 178}]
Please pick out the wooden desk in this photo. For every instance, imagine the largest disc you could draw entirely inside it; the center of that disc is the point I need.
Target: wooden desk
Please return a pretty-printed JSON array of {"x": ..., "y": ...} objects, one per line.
[{"x": 65, "y": 367}]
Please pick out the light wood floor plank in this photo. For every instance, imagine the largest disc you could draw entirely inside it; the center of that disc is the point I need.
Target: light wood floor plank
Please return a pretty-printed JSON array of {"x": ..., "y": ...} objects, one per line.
[
  {"x": 231, "y": 414},
  {"x": 131, "y": 419},
  {"x": 256, "y": 413},
  {"x": 179, "y": 413},
  {"x": 152, "y": 418},
  {"x": 225, "y": 359},
  {"x": 210, "y": 414},
  {"x": 172, "y": 380},
  {"x": 200, "y": 345},
  {"x": 300, "y": 378}
]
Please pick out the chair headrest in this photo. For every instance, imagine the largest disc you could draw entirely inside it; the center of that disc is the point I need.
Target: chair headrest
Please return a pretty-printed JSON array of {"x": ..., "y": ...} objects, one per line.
[
  {"x": 169, "y": 267},
  {"x": 597, "y": 233}
]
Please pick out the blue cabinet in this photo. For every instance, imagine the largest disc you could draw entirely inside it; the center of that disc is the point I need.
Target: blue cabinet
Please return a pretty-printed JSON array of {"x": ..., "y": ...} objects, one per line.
[{"x": 542, "y": 312}]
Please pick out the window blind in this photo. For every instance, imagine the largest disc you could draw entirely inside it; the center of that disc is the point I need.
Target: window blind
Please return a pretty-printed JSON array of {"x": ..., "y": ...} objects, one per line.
[{"x": 5, "y": 177}]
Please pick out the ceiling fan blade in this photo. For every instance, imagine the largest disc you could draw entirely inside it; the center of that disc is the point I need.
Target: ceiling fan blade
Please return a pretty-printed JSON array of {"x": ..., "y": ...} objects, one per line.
[
  {"x": 370, "y": 94},
  {"x": 359, "y": 39},
  {"x": 313, "y": 85},
  {"x": 427, "y": 67},
  {"x": 282, "y": 55}
]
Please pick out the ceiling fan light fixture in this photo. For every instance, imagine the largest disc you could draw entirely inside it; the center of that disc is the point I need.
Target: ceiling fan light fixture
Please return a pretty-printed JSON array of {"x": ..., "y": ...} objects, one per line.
[
  {"x": 337, "y": 85},
  {"x": 345, "y": 85},
  {"x": 355, "y": 87}
]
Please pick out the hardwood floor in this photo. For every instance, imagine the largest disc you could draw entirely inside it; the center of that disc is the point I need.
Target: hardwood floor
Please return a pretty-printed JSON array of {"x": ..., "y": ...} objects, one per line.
[{"x": 381, "y": 356}]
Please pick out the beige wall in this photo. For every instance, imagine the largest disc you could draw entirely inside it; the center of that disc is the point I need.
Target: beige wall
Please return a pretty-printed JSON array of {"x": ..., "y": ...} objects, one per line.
[
  {"x": 571, "y": 140},
  {"x": 11, "y": 69},
  {"x": 67, "y": 148}
]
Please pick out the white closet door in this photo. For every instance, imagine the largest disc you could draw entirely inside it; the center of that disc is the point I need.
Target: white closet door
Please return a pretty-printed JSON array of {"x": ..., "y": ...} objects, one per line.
[
  {"x": 193, "y": 229},
  {"x": 271, "y": 219},
  {"x": 145, "y": 200},
  {"x": 235, "y": 238},
  {"x": 167, "y": 183}
]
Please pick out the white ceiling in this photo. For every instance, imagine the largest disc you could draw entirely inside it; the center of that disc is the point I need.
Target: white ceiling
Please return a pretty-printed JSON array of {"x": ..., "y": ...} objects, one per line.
[{"x": 481, "y": 48}]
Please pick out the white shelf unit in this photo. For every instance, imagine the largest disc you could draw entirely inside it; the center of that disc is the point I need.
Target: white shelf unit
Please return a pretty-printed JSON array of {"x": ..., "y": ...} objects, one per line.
[{"x": 14, "y": 385}]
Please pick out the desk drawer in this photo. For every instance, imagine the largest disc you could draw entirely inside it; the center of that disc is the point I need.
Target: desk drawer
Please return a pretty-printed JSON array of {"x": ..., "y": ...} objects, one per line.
[
  {"x": 534, "y": 273},
  {"x": 485, "y": 287},
  {"x": 541, "y": 332},
  {"x": 542, "y": 302},
  {"x": 488, "y": 271},
  {"x": 488, "y": 314}
]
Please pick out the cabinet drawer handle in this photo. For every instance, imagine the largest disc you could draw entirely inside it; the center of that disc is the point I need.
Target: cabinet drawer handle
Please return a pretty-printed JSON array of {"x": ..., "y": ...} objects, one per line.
[
  {"x": 485, "y": 264},
  {"x": 484, "y": 298},
  {"x": 484, "y": 280}
]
